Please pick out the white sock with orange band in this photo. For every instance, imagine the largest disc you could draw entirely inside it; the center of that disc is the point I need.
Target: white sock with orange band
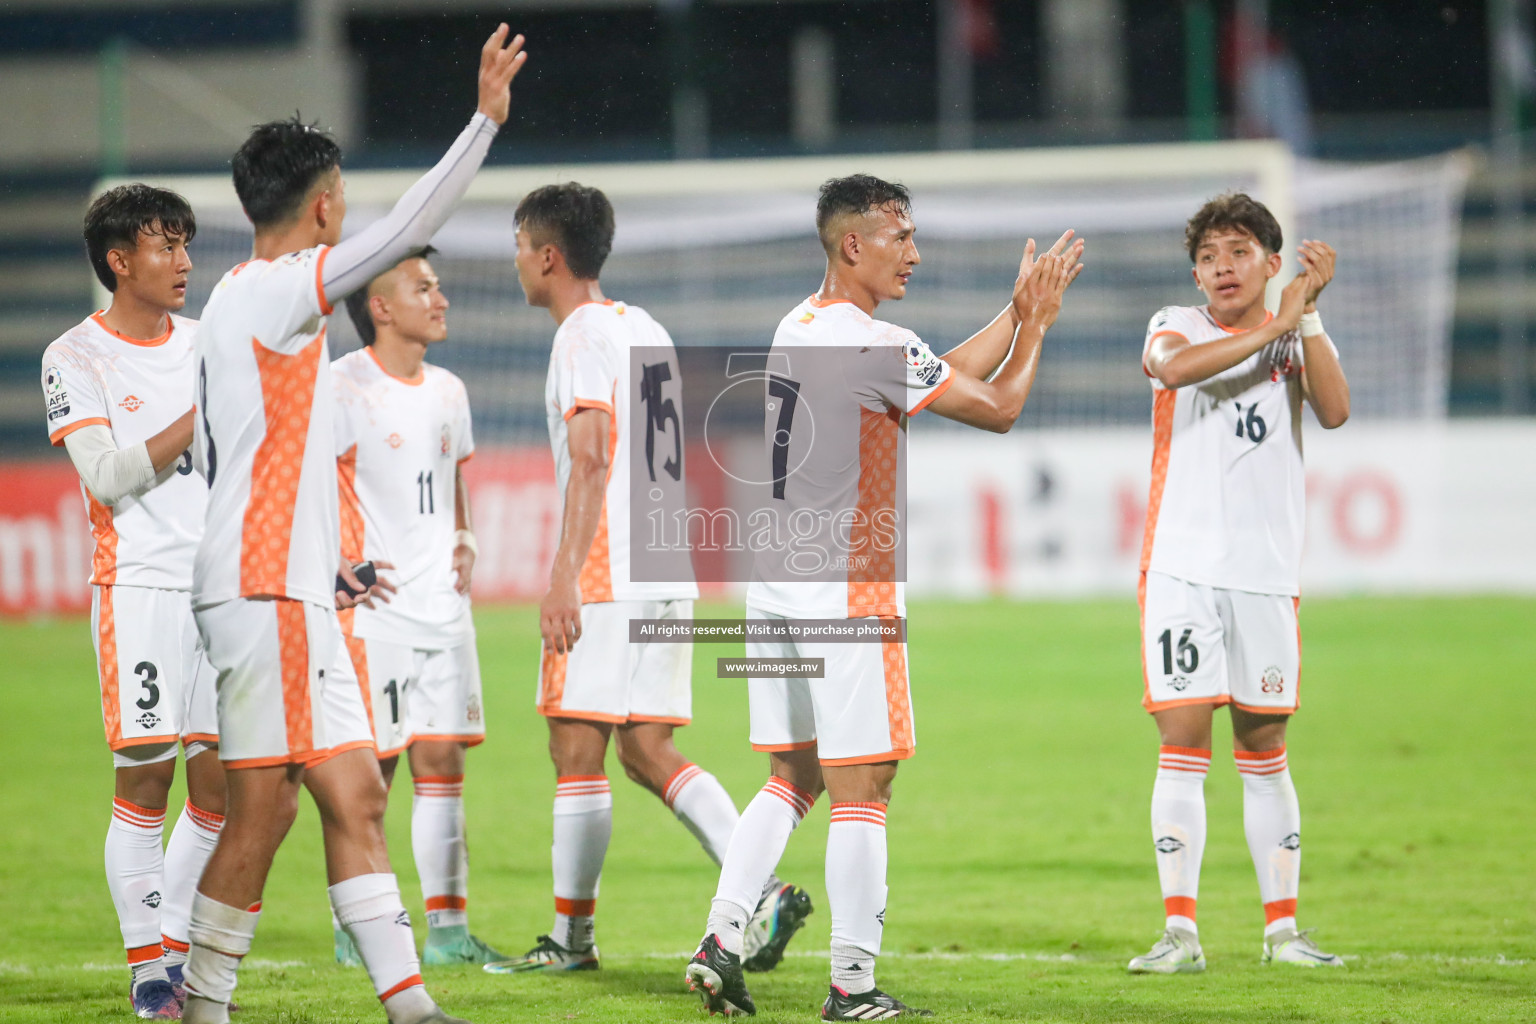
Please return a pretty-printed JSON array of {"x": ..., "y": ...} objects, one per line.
[
  {"x": 221, "y": 937},
  {"x": 136, "y": 879},
  {"x": 704, "y": 808},
  {"x": 1272, "y": 822},
  {"x": 1178, "y": 830},
  {"x": 369, "y": 908},
  {"x": 583, "y": 825},
  {"x": 192, "y": 842},
  {"x": 442, "y": 856},
  {"x": 751, "y": 856},
  {"x": 856, "y": 892}
]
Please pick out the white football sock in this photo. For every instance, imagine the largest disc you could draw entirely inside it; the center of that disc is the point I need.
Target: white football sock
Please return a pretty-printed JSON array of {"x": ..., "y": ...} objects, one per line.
[
  {"x": 192, "y": 842},
  {"x": 856, "y": 892},
  {"x": 221, "y": 937},
  {"x": 135, "y": 877},
  {"x": 1272, "y": 822},
  {"x": 704, "y": 808},
  {"x": 751, "y": 857},
  {"x": 583, "y": 825},
  {"x": 1178, "y": 830},
  {"x": 369, "y": 908},
  {"x": 442, "y": 856}
]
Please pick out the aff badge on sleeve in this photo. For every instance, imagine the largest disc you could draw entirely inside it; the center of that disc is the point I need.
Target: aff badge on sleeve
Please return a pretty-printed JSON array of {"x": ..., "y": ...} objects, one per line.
[
  {"x": 925, "y": 365},
  {"x": 55, "y": 393}
]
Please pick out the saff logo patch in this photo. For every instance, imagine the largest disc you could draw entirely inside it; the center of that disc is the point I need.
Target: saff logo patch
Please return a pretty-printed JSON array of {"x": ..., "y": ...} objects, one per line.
[
  {"x": 926, "y": 366},
  {"x": 55, "y": 394}
]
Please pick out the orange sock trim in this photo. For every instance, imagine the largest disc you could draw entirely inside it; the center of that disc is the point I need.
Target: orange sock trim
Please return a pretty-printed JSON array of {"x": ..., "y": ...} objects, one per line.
[
  {"x": 447, "y": 903},
  {"x": 1179, "y": 906},
  {"x": 410, "y": 982},
  {"x": 575, "y": 908},
  {"x": 206, "y": 819},
  {"x": 144, "y": 954},
  {"x": 173, "y": 946},
  {"x": 1278, "y": 909}
]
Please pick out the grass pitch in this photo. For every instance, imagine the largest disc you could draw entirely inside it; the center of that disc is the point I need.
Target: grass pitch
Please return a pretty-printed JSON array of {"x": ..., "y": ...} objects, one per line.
[{"x": 1021, "y": 872}]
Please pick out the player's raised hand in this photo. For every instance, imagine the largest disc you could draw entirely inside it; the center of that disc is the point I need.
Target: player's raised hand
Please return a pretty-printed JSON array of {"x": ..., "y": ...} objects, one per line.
[
  {"x": 1027, "y": 263},
  {"x": 1293, "y": 301},
  {"x": 1037, "y": 296},
  {"x": 1317, "y": 259},
  {"x": 499, "y": 64}
]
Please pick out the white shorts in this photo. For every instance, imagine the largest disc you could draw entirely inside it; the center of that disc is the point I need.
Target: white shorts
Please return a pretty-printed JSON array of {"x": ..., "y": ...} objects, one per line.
[
  {"x": 859, "y": 712},
  {"x": 414, "y": 693},
  {"x": 605, "y": 678},
  {"x": 156, "y": 684},
  {"x": 287, "y": 694},
  {"x": 1206, "y": 645}
]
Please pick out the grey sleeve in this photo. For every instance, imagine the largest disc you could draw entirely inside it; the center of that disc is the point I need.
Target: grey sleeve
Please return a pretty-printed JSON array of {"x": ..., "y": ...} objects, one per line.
[{"x": 415, "y": 219}]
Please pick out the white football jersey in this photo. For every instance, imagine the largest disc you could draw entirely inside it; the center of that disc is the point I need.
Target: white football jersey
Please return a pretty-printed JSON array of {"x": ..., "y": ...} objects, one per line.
[
  {"x": 1228, "y": 496},
  {"x": 399, "y": 443},
  {"x": 94, "y": 376},
  {"x": 589, "y": 369},
  {"x": 263, "y": 436},
  {"x": 855, "y": 381}
]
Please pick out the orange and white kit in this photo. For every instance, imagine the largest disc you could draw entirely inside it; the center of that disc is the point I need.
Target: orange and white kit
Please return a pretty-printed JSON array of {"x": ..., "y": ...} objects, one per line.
[
  {"x": 287, "y": 694},
  {"x": 156, "y": 685},
  {"x": 418, "y": 694},
  {"x": 859, "y": 712},
  {"x": 605, "y": 678}
]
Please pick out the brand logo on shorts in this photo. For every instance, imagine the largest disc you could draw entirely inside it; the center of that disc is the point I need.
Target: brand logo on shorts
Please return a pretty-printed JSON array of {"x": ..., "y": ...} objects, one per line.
[
  {"x": 1168, "y": 844},
  {"x": 1179, "y": 683},
  {"x": 881, "y": 917},
  {"x": 148, "y": 720},
  {"x": 403, "y": 918},
  {"x": 152, "y": 901},
  {"x": 1292, "y": 841},
  {"x": 472, "y": 711},
  {"x": 133, "y": 403},
  {"x": 1274, "y": 680}
]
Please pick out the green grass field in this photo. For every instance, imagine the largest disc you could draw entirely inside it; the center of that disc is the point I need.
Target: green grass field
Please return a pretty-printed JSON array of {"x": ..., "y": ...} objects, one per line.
[{"x": 1021, "y": 872}]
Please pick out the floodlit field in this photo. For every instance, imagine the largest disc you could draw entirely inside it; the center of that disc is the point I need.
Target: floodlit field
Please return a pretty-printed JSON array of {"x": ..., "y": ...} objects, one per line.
[{"x": 1021, "y": 871}]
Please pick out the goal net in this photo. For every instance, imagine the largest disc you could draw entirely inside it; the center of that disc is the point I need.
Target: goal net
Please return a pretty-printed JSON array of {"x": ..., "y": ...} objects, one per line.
[{"x": 719, "y": 251}]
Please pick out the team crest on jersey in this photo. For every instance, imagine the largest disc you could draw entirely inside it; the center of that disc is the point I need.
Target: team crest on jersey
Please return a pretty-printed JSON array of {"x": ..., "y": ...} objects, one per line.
[
  {"x": 927, "y": 366},
  {"x": 133, "y": 403},
  {"x": 54, "y": 393},
  {"x": 1273, "y": 680}
]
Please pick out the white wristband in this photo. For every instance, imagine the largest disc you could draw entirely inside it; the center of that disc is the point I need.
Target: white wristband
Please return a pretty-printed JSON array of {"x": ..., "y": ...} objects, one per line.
[
  {"x": 1311, "y": 325},
  {"x": 466, "y": 539}
]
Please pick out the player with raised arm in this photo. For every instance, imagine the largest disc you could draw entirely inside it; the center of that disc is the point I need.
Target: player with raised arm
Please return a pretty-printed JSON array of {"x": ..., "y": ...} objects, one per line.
[
  {"x": 861, "y": 379},
  {"x": 1221, "y": 560},
  {"x": 290, "y": 711},
  {"x": 593, "y": 683},
  {"x": 118, "y": 389},
  {"x": 402, "y": 436}
]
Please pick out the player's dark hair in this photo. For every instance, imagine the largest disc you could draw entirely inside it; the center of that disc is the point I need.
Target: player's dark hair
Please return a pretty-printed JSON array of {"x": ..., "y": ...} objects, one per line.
[
  {"x": 1233, "y": 211},
  {"x": 357, "y": 302},
  {"x": 119, "y": 215},
  {"x": 858, "y": 194},
  {"x": 573, "y": 218},
  {"x": 277, "y": 166}
]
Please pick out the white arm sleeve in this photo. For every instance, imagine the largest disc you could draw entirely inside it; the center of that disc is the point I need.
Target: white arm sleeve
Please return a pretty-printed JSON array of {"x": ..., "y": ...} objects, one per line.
[
  {"x": 109, "y": 472},
  {"x": 415, "y": 219}
]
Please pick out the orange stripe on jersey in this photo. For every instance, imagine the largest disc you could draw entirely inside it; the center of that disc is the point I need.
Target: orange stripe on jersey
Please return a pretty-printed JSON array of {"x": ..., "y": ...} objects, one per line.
[
  {"x": 58, "y": 436},
  {"x": 357, "y": 647},
  {"x": 287, "y": 393},
  {"x": 587, "y": 403},
  {"x": 1162, "y": 441},
  {"x": 104, "y": 532},
  {"x": 596, "y": 579},
  {"x": 351, "y": 507},
  {"x": 944, "y": 386},
  {"x": 170, "y": 327},
  {"x": 872, "y": 583},
  {"x": 293, "y": 654},
  {"x": 325, "y": 307},
  {"x": 106, "y": 665}
]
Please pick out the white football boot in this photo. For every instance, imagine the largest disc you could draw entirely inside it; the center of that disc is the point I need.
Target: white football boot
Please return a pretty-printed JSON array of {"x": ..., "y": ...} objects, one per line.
[
  {"x": 1177, "y": 952},
  {"x": 1293, "y": 947}
]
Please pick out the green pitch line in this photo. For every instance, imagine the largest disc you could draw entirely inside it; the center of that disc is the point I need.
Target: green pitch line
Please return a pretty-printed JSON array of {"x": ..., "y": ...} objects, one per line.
[{"x": 1021, "y": 870}]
